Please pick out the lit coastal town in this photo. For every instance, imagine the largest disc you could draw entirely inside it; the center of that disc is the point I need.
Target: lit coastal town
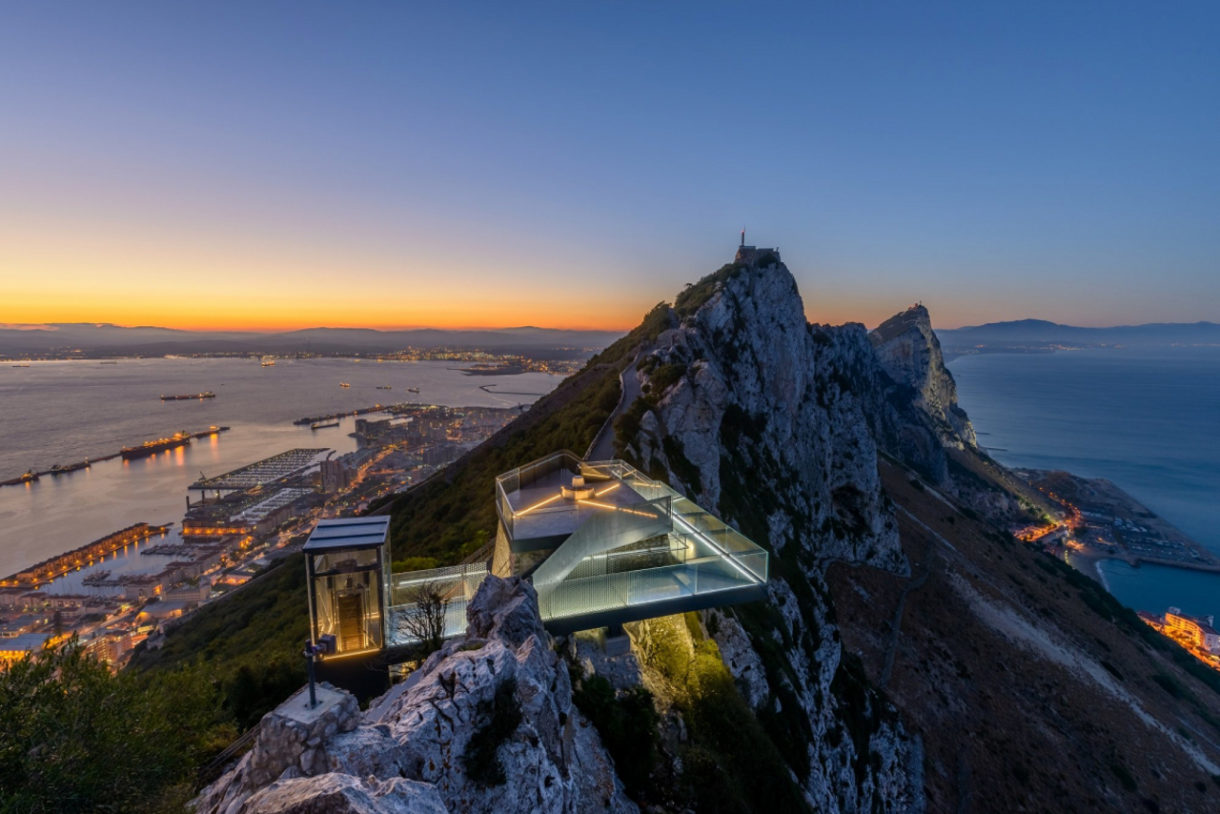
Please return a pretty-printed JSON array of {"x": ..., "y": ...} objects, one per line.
[
  {"x": 1094, "y": 520},
  {"x": 129, "y": 585}
]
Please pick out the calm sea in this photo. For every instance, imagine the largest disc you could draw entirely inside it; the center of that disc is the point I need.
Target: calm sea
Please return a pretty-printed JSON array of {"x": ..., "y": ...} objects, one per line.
[
  {"x": 61, "y": 412},
  {"x": 1147, "y": 420}
]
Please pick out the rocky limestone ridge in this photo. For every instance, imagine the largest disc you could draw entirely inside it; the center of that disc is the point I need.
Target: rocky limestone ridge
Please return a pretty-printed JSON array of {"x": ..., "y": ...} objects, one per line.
[
  {"x": 910, "y": 353},
  {"x": 771, "y": 422},
  {"x": 409, "y": 751},
  {"x": 743, "y": 391}
]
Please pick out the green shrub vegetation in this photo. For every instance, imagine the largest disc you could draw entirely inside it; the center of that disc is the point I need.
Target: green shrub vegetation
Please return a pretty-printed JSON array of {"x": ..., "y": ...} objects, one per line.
[
  {"x": 75, "y": 738},
  {"x": 664, "y": 377},
  {"x": 627, "y": 724},
  {"x": 729, "y": 763},
  {"x": 694, "y": 296},
  {"x": 453, "y": 514}
]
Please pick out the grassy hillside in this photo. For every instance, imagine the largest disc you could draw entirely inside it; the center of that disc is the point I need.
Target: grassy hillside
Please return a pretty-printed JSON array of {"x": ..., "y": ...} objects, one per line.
[
  {"x": 454, "y": 513},
  {"x": 248, "y": 644},
  {"x": 1026, "y": 680}
]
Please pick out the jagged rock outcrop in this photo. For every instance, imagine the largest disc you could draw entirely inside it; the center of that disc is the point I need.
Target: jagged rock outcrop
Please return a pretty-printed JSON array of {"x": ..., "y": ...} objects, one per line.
[
  {"x": 486, "y": 724},
  {"x": 910, "y": 353},
  {"x": 772, "y": 421},
  {"x": 743, "y": 390},
  {"x": 344, "y": 794}
]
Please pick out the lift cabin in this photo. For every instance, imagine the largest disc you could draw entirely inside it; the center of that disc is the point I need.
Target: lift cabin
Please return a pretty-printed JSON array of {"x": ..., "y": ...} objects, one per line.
[{"x": 348, "y": 573}]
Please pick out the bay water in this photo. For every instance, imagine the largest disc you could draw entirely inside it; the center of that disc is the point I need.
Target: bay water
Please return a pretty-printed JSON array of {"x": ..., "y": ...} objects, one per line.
[
  {"x": 1148, "y": 420},
  {"x": 66, "y": 411}
]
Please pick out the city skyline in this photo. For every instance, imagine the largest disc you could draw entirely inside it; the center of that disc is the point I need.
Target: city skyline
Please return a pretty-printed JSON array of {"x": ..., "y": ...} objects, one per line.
[{"x": 306, "y": 165}]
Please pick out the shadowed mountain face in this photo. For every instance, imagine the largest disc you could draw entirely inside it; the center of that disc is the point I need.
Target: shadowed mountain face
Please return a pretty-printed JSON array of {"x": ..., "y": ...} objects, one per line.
[{"x": 1010, "y": 681}]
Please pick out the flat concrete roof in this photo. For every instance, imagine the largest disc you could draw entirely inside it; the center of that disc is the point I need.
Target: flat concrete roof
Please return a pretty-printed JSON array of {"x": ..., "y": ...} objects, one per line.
[
  {"x": 348, "y": 532},
  {"x": 26, "y": 641},
  {"x": 268, "y": 470}
]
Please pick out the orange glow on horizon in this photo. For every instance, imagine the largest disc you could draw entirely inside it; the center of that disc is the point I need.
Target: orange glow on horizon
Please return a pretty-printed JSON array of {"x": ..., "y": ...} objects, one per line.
[
  {"x": 487, "y": 317},
  {"x": 124, "y": 279}
]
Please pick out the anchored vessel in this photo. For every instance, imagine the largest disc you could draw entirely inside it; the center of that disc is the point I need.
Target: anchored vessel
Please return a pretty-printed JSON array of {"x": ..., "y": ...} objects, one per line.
[
  {"x": 207, "y": 394},
  {"x": 60, "y": 469},
  {"x": 178, "y": 439}
]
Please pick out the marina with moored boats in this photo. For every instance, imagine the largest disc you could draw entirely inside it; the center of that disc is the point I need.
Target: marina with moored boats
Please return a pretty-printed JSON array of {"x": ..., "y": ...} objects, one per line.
[{"x": 78, "y": 558}]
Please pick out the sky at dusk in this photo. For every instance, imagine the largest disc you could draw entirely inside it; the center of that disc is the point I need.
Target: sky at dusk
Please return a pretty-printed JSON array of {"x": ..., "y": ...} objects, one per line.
[{"x": 293, "y": 164}]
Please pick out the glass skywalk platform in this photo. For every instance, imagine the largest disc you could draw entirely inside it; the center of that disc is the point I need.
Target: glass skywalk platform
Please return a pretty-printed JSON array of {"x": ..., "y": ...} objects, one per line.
[{"x": 603, "y": 545}]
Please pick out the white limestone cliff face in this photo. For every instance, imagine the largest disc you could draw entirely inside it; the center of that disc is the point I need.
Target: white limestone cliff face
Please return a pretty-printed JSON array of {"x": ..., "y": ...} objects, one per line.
[
  {"x": 762, "y": 397},
  {"x": 408, "y": 752},
  {"x": 772, "y": 423},
  {"x": 910, "y": 352}
]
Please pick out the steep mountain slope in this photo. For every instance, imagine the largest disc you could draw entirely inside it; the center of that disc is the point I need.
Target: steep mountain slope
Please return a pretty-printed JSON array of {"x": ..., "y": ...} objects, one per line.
[
  {"x": 777, "y": 423},
  {"x": 1029, "y": 686},
  {"x": 911, "y": 655},
  {"x": 753, "y": 412}
]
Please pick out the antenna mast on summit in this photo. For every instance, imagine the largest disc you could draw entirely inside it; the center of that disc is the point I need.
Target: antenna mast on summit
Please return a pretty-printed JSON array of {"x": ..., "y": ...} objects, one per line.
[{"x": 743, "y": 237}]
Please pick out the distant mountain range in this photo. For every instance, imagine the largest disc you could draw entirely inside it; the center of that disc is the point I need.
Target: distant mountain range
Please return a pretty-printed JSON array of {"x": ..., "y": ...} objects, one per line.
[
  {"x": 106, "y": 339},
  {"x": 1039, "y": 335}
]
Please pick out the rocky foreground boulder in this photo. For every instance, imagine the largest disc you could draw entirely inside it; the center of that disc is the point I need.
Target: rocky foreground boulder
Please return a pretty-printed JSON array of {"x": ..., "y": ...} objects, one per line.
[{"x": 485, "y": 724}]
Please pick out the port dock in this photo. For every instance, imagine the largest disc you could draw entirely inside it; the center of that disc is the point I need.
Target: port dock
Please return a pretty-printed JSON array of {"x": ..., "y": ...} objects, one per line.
[
  {"x": 260, "y": 473},
  {"x": 317, "y": 419},
  {"x": 77, "y": 558}
]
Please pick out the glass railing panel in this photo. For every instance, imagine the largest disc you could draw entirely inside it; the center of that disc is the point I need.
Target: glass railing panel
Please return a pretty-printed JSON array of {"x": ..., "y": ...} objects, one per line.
[
  {"x": 575, "y": 597},
  {"x": 452, "y": 581},
  {"x": 611, "y": 529},
  {"x": 400, "y": 630}
]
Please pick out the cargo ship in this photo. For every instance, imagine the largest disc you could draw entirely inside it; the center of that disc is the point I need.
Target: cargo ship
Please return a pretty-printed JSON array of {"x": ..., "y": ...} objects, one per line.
[
  {"x": 178, "y": 439},
  {"x": 344, "y": 384},
  {"x": 321, "y": 425},
  {"x": 385, "y": 387},
  {"x": 207, "y": 394}
]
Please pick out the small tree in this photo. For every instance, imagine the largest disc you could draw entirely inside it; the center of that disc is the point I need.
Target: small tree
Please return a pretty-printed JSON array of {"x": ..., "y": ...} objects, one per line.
[{"x": 425, "y": 622}]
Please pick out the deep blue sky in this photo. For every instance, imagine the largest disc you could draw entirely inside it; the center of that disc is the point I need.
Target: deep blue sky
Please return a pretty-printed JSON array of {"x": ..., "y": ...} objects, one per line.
[{"x": 572, "y": 163}]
